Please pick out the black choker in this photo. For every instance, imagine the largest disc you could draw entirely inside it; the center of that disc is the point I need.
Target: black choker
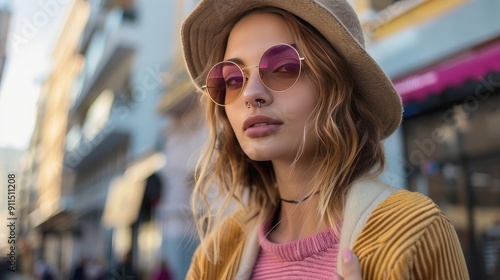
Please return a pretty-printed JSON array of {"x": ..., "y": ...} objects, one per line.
[{"x": 298, "y": 200}]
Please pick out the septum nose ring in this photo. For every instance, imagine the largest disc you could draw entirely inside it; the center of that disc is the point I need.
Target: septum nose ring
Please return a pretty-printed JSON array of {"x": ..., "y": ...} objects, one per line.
[{"x": 259, "y": 104}]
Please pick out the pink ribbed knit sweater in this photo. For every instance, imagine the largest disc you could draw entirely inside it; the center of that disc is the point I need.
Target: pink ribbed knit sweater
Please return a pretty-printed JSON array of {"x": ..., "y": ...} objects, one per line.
[{"x": 314, "y": 257}]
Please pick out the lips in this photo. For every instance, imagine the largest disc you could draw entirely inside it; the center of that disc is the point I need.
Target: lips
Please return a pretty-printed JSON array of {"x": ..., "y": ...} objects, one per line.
[
  {"x": 261, "y": 126},
  {"x": 259, "y": 120}
]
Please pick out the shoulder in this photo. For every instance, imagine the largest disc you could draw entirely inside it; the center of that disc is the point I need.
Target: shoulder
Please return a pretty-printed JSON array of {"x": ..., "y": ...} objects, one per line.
[
  {"x": 233, "y": 228},
  {"x": 404, "y": 234},
  {"x": 414, "y": 204},
  {"x": 403, "y": 216},
  {"x": 227, "y": 241}
]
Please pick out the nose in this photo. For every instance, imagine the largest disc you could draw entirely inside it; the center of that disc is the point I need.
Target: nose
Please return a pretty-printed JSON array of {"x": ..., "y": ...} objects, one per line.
[{"x": 255, "y": 92}]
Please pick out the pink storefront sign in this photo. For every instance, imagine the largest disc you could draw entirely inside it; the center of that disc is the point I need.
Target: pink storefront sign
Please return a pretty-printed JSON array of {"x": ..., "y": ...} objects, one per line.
[{"x": 472, "y": 65}]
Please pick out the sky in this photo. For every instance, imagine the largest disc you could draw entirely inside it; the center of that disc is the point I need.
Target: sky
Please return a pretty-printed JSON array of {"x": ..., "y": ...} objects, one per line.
[{"x": 34, "y": 27}]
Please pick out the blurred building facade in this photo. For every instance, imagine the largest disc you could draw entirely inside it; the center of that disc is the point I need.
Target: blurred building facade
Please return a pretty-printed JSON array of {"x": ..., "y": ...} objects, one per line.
[
  {"x": 4, "y": 29},
  {"x": 48, "y": 228},
  {"x": 185, "y": 133},
  {"x": 10, "y": 163},
  {"x": 119, "y": 128},
  {"x": 102, "y": 182},
  {"x": 444, "y": 58}
]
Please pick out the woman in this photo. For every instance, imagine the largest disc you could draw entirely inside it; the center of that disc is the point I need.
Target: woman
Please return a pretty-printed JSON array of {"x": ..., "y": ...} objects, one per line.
[{"x": 297, "y": 112}]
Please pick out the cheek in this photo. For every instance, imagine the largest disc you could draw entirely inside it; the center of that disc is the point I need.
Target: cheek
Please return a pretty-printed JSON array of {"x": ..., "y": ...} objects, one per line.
[
  {"x": 234, "y": 119},
  {"x": 300, "y": 108},
  {"x": 230, "y": 118}
]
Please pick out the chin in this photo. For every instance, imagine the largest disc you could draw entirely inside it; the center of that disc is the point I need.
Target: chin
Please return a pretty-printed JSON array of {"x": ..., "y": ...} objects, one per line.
[{"x": 258, "y": 156}]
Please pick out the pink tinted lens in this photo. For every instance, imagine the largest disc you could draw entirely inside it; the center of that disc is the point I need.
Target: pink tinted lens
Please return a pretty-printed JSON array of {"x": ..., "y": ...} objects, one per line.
[
  {"x": 225, "y": 82},
  {"x": 280, "y": 67}
]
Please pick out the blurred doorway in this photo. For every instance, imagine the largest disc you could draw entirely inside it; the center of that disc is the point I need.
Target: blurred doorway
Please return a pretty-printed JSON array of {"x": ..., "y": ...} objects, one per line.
[{"x": 452, "y": 155}]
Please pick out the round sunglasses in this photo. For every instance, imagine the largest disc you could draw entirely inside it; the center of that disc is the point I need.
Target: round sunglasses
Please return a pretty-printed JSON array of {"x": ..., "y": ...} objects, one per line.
[{"x": 279, "y": 70}]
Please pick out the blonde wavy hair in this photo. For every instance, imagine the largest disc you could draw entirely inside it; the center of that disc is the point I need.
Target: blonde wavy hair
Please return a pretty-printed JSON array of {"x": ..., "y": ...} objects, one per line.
[{"x": 349, "y": 141}]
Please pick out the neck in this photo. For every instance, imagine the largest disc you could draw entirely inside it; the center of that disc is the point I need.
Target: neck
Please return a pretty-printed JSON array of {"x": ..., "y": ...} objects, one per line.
[{"x": 296, "y": 220}]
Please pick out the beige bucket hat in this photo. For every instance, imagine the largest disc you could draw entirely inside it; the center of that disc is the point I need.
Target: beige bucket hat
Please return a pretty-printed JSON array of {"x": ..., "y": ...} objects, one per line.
[{"x": 334, "y": 19}]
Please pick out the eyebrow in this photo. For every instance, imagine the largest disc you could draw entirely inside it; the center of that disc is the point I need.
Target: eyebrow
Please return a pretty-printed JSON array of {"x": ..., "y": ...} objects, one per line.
[
  {"x": 236, "y": 60},
  {"x": 239, "y": 61}
]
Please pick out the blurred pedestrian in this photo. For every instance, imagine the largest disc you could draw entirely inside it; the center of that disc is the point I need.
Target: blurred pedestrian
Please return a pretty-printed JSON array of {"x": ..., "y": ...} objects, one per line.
[
  {"x": 298, "y": 111},
  {"x": 95, "y": 269},
  {"x": 162, "y": 272},
  {"x": 125, "y": 269},
  {"x": 43, "y": 270},
  {"x": 79, "y": 272}
]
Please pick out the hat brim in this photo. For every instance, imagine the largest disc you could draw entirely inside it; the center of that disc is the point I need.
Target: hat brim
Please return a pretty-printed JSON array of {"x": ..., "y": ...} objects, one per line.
[{"x": 211, "y": 16}]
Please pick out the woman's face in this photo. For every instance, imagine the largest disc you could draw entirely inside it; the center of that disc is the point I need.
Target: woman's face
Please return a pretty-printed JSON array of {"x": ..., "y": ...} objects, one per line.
[{"x": 277, "y": 127}]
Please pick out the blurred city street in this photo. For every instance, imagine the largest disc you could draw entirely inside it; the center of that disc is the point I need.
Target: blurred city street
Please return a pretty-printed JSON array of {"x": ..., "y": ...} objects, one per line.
[
  {"x": 19, "y": 277},
  {"x": 101, "y": 129}
]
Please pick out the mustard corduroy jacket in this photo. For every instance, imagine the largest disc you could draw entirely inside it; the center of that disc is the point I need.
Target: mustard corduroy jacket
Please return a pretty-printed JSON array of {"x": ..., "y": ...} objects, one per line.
[{"x": 396, "y": 235}]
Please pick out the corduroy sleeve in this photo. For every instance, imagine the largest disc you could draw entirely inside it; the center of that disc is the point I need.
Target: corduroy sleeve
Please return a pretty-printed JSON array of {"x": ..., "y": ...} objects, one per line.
[
  {"x": 436, "y": 255},
  {"x": 231, "y": 241},
  {"x": 439, "y": 254},
  {"x": 408, "y": 237}
]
